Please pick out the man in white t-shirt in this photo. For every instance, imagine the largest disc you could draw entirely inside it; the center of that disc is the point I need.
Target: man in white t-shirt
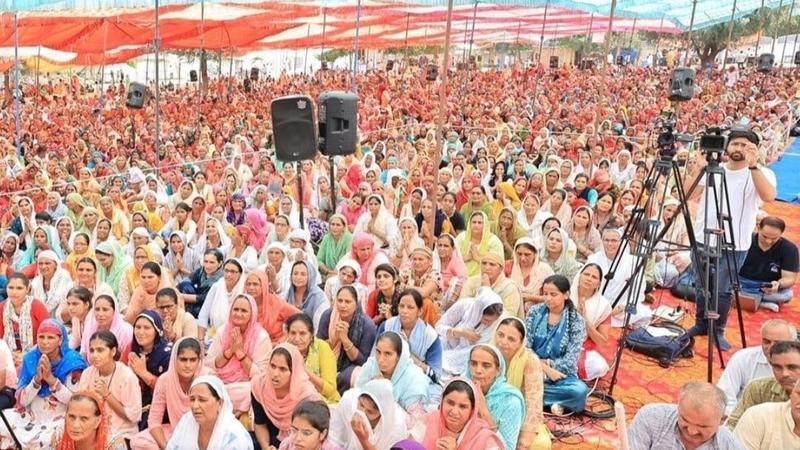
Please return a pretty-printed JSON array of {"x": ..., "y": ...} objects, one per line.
[{"x": 749, "y": 186}]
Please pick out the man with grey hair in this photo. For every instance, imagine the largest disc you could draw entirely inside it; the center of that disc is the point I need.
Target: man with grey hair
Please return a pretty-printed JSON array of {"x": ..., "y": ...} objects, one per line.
[
  {"x": 751, "y": 363},
  {"x": 694, "y": 423},
  {"x": 615, "y": 286}
]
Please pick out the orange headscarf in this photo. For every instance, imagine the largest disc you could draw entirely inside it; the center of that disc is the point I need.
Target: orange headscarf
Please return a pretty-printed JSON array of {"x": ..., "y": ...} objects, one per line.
[
  {"x": 274, "y": 311},
  {"x": 101, "y": 437}
]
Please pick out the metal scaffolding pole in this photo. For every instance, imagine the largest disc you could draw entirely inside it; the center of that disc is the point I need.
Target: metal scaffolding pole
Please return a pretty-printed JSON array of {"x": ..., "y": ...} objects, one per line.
[
  {"x": 775, "y": 31},
  {"x": 783, "y": 49},
  {"x": 17, "y": 90},
  {"x": 541, "y": 35},
  {"x": 354, "y": 87},
  {"x": 472, "y": 34},
  {"x": 608, "y": 32},
  {"x": 157, "y": 45},
  {"x": 760, "y": 29},
  {"x": 689, "y": 34},
  {"x": 730, "y": 35},
  {"x": 443, "y": 98}
]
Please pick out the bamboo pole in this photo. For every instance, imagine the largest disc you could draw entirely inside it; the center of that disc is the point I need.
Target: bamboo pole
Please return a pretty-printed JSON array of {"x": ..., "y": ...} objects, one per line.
[{"x": 443, "y": 101}]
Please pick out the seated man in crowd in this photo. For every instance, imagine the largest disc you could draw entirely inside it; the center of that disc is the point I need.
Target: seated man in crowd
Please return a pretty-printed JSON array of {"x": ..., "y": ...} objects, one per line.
[
  {"x": 784, "y": 357},
  {"x": 695, "y": 422},
  {"x": 751, "y": 363},
  {"x": 770, "y": 269},
  {"x": 771, "y": 426}
]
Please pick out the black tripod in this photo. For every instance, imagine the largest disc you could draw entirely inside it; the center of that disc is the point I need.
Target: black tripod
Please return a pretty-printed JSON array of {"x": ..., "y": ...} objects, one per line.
[{"x": 643, "y": 234}]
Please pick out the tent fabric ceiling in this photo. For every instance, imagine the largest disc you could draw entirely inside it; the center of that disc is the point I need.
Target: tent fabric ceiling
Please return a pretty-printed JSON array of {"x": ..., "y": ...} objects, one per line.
[{"x": 102, "y": 31}]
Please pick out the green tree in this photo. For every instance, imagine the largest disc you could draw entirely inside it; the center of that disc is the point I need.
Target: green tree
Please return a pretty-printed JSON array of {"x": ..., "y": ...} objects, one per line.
[{"x": 329, "y": 56}]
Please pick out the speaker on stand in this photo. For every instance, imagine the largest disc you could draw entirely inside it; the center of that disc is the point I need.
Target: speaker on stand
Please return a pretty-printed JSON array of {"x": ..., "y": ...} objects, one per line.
[
  {"x": 338, "y": 133},
  {"x": 137, "y": 95},
  {"x": 433, "y": 72},
  {"x": 254, "y": 74},
  {"x": 294, "y": 132},
  {"x": 554, "y": 62},
  {"x": 681, "y": 86},
  {"x": 193, "y": 76},
  {"x": 765, "y": 62}
]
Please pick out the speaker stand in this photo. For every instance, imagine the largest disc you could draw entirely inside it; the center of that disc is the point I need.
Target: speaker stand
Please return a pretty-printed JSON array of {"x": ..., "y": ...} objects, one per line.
[
  {"x": 298, "y": 171},
  {"x": 333, "y": 187}
]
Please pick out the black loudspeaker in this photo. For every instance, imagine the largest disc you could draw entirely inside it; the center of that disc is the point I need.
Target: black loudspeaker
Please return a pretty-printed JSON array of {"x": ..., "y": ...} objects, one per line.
[
  {"x": 193, "y": 75},
  {"x": 248, "y": 85},
  {"x": 254, "y": 74},
  {"x": 324, "y": 65},
  {"x": 137, "y": 95},
  {"x": 461, "y": 66},
  {"x": 554, "y": 62},
  {"x": 620, "y": 60},
  {"x": 797, "y": 59},
  {"x": 337, "y": 122},
  {"x": 389, "y": 65},
  {"x": 293, "y": 128},
  {"x": 765, "y": 62},
  {"x": 681, "y": 88},
  {"x": 433, "y": 72}
]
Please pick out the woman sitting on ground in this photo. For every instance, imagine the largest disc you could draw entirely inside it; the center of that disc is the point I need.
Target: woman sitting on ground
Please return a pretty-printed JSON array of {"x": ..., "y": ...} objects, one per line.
[
  {"x": 456, "y": 424},
  {"x": 211, "y": 424},
  {"x": 239, "y": 351},
  {"x": 171, "y": 394},
  {"x": 596, "y": 312},
  {"x": 392, "y": 361},
  {"x": 505, "y": 407},
  {"x": 423, "y": 341},
  {"x": 349, "y": 332},
  {"x": 20, "y": 317},
  {"x": 114, "y": 382},
  {"x": 49, "y": 374},
  {"x": 312, "y": 421},
  {"x": 304, "y": 293},
  {"x": 149, "y": 357},
  {"x": 86, "y": 425},
  {"x": 556, "y": 332},
  {"x": 368, "y": 418},
  {"x": 105, "y": 317},
  {"x": 320, "y": 361},
  {"x": 79, "y": 305},
  {"x": 276, "y": 393},
  {"x": 524, "y": 371},
  {"x": 466, "y": 323}
]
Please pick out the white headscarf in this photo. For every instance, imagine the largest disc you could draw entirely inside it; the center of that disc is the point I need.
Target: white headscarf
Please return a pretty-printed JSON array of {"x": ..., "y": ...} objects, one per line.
[
  {"x": 228, "y": 431},
  {"x": 391, "y": 426},
  {"x": 221, "y": 298},
  {"x": 60, "y": 284}
]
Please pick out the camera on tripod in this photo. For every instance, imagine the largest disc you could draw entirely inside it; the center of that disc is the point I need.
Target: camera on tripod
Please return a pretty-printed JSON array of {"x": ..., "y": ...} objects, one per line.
[{"x": 713, "y": 144}]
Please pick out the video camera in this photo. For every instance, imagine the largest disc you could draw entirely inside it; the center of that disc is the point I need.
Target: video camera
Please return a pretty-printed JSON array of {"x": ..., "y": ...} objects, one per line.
[{"x": 667, "y": 139}]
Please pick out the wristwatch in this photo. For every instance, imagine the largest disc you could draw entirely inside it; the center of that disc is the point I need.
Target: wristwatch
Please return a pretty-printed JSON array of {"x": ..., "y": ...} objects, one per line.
[{"x": 753, "y": 167}]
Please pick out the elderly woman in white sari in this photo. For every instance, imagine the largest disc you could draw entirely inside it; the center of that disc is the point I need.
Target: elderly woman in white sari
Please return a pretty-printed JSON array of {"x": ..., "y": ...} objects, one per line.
[
  {"x": 596, "y": 312},
  {"x": 468, "y": 322},
  {"x": 211, "y": 424},
  {"x": 53, "y": 282},
  {"x": 278, "y": 268},
  {"x": 368, "y": 418},
  {"x": 378, "y": 222}
]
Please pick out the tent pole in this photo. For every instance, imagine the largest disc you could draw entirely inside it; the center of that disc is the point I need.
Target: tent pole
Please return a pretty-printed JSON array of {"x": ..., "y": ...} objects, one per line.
[
  {"x": 408, "y": 21},
  {"x": 17, "y": 91},
  {"x": 157, "y": 43},
  {"x": 760, "y": 28},
  {"x": 730, "y": 35},
  {"x": 783, "y": 49},
  {"x": 466, "y": 31},
  {"x": 324, "y": 23},
  {"x": 689, "y": 34},
  {"x": 633, "y": 31},
  {"x": 354, "y": 86},
  {"x": 608, "y": 32},
  {"x": 541, "y": 36},
  {"x": 794, "y": 47},
  {"x": 516, "y": 42},
  {"x": 656, "y": 58},
  {"x": 443, "y": 99},
  {"x": 38, "y": 60},
  {"x": 472, "y": 33},
  {"x": 203, "y": 60},
  {"x": 305, "y": 58},
  {"x": 775, "y": 31}
]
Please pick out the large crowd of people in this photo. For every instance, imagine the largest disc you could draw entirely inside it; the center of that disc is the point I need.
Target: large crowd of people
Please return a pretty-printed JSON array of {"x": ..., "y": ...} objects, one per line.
[{"x": 196, "y": 297}]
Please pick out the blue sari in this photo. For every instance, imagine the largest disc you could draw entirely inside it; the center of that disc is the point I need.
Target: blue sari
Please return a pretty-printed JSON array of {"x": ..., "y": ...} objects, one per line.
[
  {"x": 561, "y": 344},
  {"x": 71, "y": 361}
]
